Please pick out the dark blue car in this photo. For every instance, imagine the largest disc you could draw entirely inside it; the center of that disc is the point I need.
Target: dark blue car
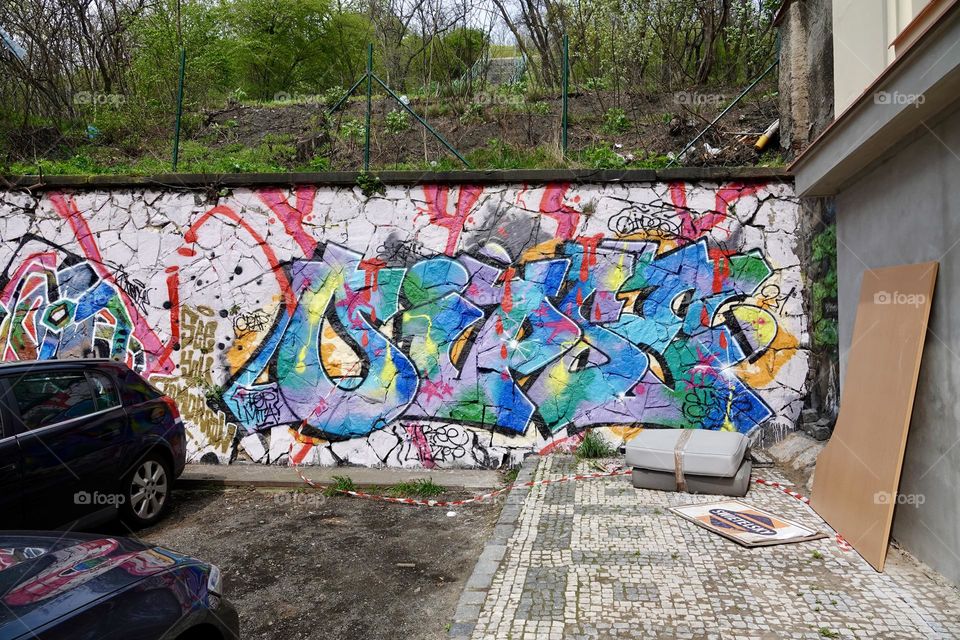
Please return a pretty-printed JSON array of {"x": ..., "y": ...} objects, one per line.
[
  {"x": 80, "y": 441},
  {"x": 57, "y": 586}
]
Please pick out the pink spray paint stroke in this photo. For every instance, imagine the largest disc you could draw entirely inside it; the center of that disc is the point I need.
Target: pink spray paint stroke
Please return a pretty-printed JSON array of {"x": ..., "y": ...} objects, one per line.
[
  {"x": 436, "y": 199},
  {"x": 67, "y": 209},
  {"x": 552, "y": 205},
  {"x": 419, "y": 440},
  {"x": 693, "y": 228},
  {"x": 292, "y": 217}
]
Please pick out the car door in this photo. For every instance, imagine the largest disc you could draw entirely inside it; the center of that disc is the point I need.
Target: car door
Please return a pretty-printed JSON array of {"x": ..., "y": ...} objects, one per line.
[
  {"x": 69, "y": 444},
  {"x": 10, "y": 507}
]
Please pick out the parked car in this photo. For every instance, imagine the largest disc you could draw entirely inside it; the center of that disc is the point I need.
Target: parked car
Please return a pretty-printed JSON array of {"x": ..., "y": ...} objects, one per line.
[
  {"x": 85, "y": 587},
  {"x": 81, "y": 440}
]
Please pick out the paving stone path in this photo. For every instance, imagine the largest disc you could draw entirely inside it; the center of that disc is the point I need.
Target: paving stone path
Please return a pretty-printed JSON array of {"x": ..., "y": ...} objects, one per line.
[{"x": 600, "y": 559}]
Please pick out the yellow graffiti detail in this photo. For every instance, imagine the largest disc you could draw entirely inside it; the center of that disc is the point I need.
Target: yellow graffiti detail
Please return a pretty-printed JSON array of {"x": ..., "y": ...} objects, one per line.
[
  {"x": 764, "y": 371},
  {"x": 626, "y": 433},
  {"x": 763, "y": 323},
  {"x": 316, "y": 306},
  {"x": 727, "y": 423},
  {"x": 430, "y": 346},
  {"x": 543, "y": 251}
]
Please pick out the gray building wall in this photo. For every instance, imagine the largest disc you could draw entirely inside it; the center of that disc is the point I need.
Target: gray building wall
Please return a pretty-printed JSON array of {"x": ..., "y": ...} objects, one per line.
[{"x": 907, "y": 210}]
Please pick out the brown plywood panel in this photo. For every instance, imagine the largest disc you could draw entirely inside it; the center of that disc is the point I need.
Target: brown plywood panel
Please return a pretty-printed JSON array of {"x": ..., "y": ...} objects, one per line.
[{"x": 858, "y": 473}]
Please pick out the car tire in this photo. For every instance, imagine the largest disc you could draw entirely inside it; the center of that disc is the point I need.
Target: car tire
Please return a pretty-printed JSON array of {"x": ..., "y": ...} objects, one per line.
[{"x": 146, "y": 491}]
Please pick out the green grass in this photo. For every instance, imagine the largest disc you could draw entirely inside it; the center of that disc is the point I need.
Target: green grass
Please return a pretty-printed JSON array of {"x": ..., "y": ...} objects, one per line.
[
  {"x": 503, "y": 51},
  {"x": 771, "y": 159},
  {"x": 594, "y": 446},
  {"x": 277, "y": 154},
  {"x": 827, "y": 633},
  {"x": 421, "y": 488},
  {"x": 615, "y": 121},
  {"x": 510, "y": 475},
  {"x": 495, "y": 155},
  {"x": 601, "y": 156},
  {"x": 340, "y": 483},
  {"x": 274, "y": 155},
  {"x": 501, "y": 155}
]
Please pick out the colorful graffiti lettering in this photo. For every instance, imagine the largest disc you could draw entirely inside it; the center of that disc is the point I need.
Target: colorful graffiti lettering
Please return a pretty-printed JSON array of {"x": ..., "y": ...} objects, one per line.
[
  {"x": 560, "y": 342},
  {"x": 60, "y": 309},
  {"x": 449, "y": 325}
]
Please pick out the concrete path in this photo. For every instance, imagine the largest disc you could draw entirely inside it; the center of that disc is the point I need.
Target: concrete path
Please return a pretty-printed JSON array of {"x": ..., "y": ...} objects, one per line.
[
  {"x": 257, "y": 475},
  {"x": 600, "y": 559}
]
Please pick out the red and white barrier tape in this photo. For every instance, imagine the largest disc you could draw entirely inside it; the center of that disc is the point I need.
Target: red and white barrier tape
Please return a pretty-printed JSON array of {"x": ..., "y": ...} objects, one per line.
[
  {"x": 783, "y": 488},
  {"x": 457, "y": 503},
  {"x": 843, "y": 544}
]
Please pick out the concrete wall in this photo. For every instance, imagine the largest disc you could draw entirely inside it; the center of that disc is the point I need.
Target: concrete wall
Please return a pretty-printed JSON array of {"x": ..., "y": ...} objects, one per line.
[
  {"x": 905, "y": 211},
  {"x": 438, "y": 325},
  {"x": 806, "y": 73}
]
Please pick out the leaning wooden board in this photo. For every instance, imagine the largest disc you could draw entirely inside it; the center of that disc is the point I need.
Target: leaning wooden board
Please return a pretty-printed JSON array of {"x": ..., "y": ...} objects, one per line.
[{"x": 858, "y": 473}]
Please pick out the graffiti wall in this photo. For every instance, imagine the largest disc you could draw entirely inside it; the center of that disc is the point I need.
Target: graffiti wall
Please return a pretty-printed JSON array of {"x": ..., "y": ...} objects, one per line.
[{"x": 432, "y": 326}]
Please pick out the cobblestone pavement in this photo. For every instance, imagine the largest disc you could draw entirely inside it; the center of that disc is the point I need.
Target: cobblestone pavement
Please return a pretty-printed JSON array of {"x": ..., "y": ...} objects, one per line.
[{"x": 600, "y": 559}]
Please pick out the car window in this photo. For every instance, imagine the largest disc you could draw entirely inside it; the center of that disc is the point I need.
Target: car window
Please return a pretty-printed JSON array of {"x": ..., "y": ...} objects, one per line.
[
  {"x": 136, "y": 390},
  {"x": 48, "y": 398},
  {"x": 104, "y": 393}
]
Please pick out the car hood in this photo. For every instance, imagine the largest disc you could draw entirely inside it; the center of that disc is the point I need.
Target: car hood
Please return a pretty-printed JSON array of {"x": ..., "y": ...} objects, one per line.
[{"x": 44, "y": 576}]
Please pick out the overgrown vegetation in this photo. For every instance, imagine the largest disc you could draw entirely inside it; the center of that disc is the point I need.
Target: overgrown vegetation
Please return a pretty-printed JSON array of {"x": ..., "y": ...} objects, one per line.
[
  {"x": 370, "y": 185},
  {"x": 91, "y": 86},
  {"x": 338, "y": 485},
  {"x": 824, "y": 290},
  {"x": 594, "y": 446},
  {"x": 420, "y": 488},
  {"x": 510, "y": 475}
]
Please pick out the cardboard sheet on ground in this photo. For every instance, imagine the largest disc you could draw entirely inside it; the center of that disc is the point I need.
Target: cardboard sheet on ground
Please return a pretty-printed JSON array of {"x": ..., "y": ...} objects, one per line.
[
  {"x": 858, "y": 473},
  {"x": 745, "y": 524}
]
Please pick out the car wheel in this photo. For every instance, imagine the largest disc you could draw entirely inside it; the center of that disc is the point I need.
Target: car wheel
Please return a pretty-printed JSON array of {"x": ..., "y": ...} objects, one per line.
[{"x": 147, "y": 491}]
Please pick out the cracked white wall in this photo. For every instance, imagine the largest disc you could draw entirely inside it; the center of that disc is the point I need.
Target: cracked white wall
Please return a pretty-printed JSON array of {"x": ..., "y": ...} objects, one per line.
[{"x": 431, "y": 326}]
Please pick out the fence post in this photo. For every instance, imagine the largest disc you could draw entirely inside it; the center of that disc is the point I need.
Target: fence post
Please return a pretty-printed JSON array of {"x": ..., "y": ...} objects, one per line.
[
  {"x": 366, "y": 142},
  {"x": 566, "y": 90},
  {"x": 176, "y": 130}
]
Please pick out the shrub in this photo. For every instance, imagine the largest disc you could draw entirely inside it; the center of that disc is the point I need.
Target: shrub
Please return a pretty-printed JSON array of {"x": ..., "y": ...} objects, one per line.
[
  {"x": 353, "y": 130},
  {"x": 397, "y": 122},
  {"x": 422, "y": 488},
  {"x": 340, "y": 483},
  {"x": 594, "y": 446},
  {"x": 602, "y": 156},
  {"x": 615, "y": 121}
]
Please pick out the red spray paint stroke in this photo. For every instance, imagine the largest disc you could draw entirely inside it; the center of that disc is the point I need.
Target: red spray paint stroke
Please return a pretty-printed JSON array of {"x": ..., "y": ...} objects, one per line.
[
  {"x": 415, "y": 432},
  {"x": 436, "y": 198},
  {"x": 67, "y": 209},
  {"x": 691, "y": 228},
  {"x": 590, "y": 245},
  {"x": 47, "y": 260},
  {"x": 552, "y": 206},
  {"x": 190, "y": 236},
  {"x": 371, "y": 273},
  {"x": 292, "y": 217},
  {"x": 521, "y": 199},
  {"x": 300, "y": 454},
  {"x": 506, "y": 302},
  {"x": 721, "y": 266},
  {"x": 564, "y": 445},
  {"x": 173, "y": 272},
  {"x": 173, "y": 295}
]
